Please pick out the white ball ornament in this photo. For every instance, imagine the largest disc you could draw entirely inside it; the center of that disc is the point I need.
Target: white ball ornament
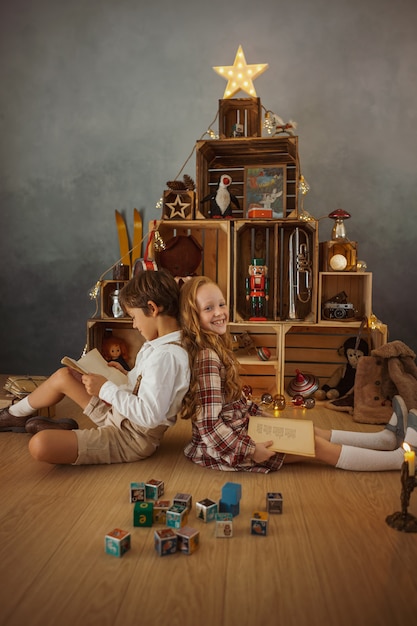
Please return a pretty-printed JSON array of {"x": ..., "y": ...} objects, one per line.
[{"x": 338, "y": 262}]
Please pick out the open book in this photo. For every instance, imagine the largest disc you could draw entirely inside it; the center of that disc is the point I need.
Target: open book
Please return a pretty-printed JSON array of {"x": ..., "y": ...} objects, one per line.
[
  {"x": 94, "y": 363},
  {"x": 290, "y": 435}
]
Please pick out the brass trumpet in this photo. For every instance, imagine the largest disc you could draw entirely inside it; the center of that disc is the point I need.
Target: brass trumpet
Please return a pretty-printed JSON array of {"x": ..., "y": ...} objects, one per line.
[{"x": 300, "y": 270}]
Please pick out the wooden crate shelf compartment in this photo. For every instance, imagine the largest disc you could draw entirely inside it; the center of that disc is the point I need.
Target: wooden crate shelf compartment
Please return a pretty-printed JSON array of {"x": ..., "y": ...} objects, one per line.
[
  {"x": 356, "y": 285},
  {"x": 106, "y": 289},
  {"x": 262, "y": 376},
  {"x": 261, "y": 379},
  {"x": 270, "y": 240},
  {"x": 214, "y": 238},
  {"x": 98, "y": 329},
  {"x": 231, "y": 156},
  {"x": 314, "y": 349},
  {"x": 247, "y": 112}
]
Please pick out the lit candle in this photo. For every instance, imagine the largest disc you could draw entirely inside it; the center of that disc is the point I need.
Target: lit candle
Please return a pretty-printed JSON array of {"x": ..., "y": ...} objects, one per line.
[{"x": 409, "y": 457}]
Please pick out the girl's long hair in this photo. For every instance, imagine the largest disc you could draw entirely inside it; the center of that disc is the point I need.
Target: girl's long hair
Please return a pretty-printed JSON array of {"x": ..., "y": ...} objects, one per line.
[{"x": 196, "y": 339}]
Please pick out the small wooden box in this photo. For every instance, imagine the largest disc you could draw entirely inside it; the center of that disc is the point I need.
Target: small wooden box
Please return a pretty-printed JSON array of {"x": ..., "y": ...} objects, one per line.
[
  {"x": 178, "y": 205},
  {"x": 245, "y": 112}
]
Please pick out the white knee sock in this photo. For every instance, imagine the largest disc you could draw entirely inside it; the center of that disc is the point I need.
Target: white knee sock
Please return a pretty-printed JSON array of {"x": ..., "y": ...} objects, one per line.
[
  {"x": 22, "y": 408},
  {"x": 382, "y": 440},
  {"x": 361, "y": 460}
]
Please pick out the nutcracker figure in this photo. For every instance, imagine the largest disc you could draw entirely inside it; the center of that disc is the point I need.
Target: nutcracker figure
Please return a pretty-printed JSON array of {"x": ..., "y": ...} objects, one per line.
[{"x": 257, "y": 289}]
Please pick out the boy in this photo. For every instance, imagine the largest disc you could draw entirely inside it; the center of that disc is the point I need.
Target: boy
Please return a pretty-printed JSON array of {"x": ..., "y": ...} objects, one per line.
[{"x": 131, "y": 419}]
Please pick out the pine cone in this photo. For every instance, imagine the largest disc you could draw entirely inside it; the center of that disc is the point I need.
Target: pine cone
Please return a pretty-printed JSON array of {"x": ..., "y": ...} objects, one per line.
[
  {"x": 186, "y": 184},
  {"x": 176, "y": 185},
  {"x": 189, "y": 183}
]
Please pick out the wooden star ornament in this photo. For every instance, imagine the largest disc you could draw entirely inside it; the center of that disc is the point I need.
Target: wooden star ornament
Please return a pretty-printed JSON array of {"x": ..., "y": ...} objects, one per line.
[{"x": 240, "y": 75}]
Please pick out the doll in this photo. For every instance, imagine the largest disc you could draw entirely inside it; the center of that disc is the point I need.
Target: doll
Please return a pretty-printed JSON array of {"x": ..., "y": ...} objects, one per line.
[
  {"x": 342, "y": 380},
  {"x": 115, "y": 349}
]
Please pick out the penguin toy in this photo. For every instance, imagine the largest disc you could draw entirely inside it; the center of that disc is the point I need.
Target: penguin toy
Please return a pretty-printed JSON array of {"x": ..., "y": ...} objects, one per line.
[{"x": 221, "y": 201}]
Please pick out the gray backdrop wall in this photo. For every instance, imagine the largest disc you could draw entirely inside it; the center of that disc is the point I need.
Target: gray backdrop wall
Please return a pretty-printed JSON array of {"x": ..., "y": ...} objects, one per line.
[{"x": 101, "y": 102}]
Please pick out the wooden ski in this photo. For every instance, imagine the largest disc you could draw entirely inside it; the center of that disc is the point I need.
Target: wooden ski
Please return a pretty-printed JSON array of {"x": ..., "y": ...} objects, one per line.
[
  {"x": 137, "y": 235},
  {"x": 123, "y": 241}
]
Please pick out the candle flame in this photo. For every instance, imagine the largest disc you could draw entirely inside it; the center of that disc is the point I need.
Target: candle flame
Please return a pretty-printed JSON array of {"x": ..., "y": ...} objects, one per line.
[{"x": 406, "y": 447}]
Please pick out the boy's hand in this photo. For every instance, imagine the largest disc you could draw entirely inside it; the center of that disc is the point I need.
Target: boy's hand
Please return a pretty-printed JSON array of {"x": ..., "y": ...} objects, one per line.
[
  {"x": 93, "y": 383},
  {"x": 262, "y": 452}
]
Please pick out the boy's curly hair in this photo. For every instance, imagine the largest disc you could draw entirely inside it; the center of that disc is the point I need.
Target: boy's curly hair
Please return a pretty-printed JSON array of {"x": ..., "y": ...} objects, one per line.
[{"x": 196, "y": 339}]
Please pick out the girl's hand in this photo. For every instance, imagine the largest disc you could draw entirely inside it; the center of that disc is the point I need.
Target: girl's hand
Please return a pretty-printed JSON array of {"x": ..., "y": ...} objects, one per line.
[
  {"x": 93, "y": 383},
  {"x": 262, "y": 452}
]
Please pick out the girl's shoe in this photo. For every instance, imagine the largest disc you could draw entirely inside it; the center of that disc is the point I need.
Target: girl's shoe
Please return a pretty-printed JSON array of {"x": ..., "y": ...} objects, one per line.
[
  {"x": 411, "y": 433},
  {"x": 400, "y": 410}
]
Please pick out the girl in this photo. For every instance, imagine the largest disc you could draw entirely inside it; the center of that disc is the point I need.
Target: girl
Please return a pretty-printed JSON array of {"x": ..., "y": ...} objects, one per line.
[{"x": 220, "y": 413}]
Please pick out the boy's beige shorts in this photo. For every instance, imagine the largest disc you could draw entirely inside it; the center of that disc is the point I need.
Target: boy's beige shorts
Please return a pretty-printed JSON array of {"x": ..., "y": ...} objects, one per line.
[{"x": 116, "y": 439}]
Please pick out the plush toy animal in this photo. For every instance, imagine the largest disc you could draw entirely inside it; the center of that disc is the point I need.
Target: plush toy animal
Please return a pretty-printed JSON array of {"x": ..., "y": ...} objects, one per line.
[
  {"x": 343, "y": 378},
  {"x": 221, "y": 201}
]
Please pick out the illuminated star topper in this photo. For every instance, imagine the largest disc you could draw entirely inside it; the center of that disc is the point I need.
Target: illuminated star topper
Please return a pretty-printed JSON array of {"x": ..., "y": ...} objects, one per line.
[{"x": 240, "y": 75}]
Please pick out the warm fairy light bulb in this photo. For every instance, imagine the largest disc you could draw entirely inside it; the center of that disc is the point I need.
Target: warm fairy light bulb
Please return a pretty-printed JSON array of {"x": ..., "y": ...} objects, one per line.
[
  {"x": 94, "y": 291},
  {"x": 303, "y": 185}
]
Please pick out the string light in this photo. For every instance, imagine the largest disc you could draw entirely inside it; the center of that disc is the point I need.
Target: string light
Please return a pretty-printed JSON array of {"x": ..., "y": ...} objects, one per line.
[
  {"x": 275, "y": 125},
  {"x": 303, "y": 186}
]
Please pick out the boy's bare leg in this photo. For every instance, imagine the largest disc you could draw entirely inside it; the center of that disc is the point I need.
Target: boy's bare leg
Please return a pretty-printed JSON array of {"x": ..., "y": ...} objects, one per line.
[
  {"x": 54, "y": 446},
  {"x": 60, "y": 384}
]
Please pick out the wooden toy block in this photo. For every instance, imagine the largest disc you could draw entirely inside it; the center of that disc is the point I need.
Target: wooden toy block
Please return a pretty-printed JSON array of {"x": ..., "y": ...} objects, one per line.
[
  {"x": 274, "y": 502},
  {"x": 177, "y": 516},
  {"x": 231, "y": 493},
  {"x": 165, "y": 541},
  {"x": 188, "y": 539},
  {"x": 117, "y": 542},
  {"x": 137, "y": 492},
  {"x": 206, "y": 510},
  {"x": 224, "y": 525},
  {"x": 227, "y": 507},
  {"x": 154, "y": 489},
  {"x": 259, "y": 523},
  {"x": 183, "y": 499},
  {"x": 143, "y": 514},
  {"x": 160, "y": 508}
]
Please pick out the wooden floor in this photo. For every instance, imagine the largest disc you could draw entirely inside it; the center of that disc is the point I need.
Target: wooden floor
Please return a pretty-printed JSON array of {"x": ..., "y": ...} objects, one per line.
[{"x": 329, "y": 559}]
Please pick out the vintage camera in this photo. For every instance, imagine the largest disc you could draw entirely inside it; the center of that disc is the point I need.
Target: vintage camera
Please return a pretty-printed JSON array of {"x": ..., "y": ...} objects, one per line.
[{"x": 338, "y": 308}]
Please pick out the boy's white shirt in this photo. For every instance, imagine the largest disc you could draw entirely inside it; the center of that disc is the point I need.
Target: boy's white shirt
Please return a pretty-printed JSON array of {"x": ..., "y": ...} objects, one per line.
[{"x": 165, "y": 372}]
